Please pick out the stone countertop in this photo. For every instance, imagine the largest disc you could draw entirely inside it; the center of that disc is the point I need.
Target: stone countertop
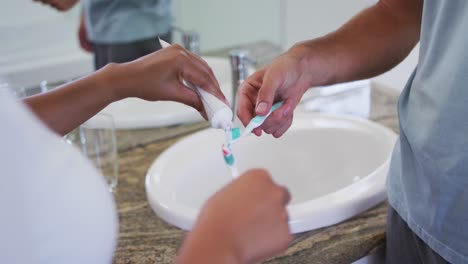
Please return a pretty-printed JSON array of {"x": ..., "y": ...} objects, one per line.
[{"x": 145, "y": 238}]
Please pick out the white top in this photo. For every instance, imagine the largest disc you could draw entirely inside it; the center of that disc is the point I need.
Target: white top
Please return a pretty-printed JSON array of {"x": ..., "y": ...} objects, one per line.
[{"x": 55, "y": 207}]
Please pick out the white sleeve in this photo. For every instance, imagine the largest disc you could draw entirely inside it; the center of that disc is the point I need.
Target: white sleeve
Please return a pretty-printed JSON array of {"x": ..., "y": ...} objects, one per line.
[{"x": 55, "y": 207}]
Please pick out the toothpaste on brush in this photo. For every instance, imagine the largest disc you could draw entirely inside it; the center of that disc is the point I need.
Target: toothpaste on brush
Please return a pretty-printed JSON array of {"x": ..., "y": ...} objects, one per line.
[{"x": 218, "y": 112}]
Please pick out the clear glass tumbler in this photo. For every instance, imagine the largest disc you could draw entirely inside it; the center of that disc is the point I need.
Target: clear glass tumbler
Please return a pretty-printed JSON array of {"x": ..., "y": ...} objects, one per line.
[
  {"x": 99, "y": 144},
  {"x": 10, "y": 88}
]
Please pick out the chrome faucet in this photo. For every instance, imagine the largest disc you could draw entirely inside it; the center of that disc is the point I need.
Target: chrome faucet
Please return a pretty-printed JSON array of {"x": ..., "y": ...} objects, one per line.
[
  {"x": 190, "y": 40},
  {"x": 240, "y": 62}
]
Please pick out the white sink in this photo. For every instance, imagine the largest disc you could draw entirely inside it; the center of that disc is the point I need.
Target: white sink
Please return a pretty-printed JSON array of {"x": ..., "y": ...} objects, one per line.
[
  {"x": 134, "y": 113},
  {"x": 334, "y": 166}
]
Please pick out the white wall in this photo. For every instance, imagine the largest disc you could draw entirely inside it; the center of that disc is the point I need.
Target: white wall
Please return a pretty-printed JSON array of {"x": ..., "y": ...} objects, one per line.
[
  {"x": 306, "y": 19},
  {"x": 15, "y": 13},
  {"x": 26, "y": 25},
  {"x": 224, "y": 23},
  {"x": 33, "y": 34},
  {"x": 39, "y": 43},
  {"x": 36, "y": 38}
]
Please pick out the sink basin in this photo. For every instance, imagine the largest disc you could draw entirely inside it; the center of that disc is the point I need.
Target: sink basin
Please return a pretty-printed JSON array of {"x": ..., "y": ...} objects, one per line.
[
  {"x": 334, "y": 166},
  {"x": 134, "y": 113}
]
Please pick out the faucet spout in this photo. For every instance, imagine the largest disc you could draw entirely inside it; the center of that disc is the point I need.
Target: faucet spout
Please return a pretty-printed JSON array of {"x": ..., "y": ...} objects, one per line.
[
  {"x": 240, "y": 71},
  {"x": 190, "y": 40}
]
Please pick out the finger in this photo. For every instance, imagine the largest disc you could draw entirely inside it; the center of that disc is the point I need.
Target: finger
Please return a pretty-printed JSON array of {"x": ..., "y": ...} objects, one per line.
[
  {"x": 201, "y": 60},
  {"x": 272, "y": 129},
  {"x": 286, "y": 195},
  {"x": 203, "y": 114},
  {"x": 270, "y": 84},
  {"x": 285, "y": 215},
  {"x": 256, "y": 79},
  {"x": 191, "y": 72},
  {"x": 280, "y": 116},
  {"x": 257, "y": 131},
  {"x": 188, "y": 97},
  {"x": 280, "y": 131},
  {"x": 198, "y": 68},
  {"x": 207, "y": 69},
  {"x": 245, "y": 105},
  {"x": 247, "y": 97}
]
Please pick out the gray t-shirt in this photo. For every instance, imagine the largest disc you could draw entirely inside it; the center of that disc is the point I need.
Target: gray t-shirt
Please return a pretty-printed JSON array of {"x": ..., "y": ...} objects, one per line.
[
  {"x": 428, "y": 179},
  {"x": 124, "y": 21}
]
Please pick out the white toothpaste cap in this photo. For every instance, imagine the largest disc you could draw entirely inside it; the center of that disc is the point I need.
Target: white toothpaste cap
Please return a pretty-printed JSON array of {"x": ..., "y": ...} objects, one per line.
[{"x": 222, "y": 118}]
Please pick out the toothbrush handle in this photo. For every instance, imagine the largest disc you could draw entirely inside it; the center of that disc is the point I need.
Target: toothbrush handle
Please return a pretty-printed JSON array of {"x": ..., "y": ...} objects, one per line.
[{"x": 258, "y": 120}]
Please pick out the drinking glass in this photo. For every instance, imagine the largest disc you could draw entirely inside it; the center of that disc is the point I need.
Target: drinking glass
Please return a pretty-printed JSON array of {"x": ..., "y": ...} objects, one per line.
[
  {"x": 98, "y": 143},
  {"x": 13, "y": 89}
]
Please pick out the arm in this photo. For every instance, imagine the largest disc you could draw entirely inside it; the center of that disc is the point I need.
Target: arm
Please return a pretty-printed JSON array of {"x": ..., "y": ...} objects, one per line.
[
  {"x": 245, "y": 222},
  {"x": 85, "y": 44},
  {"x": 157, "y": 76},
  {"x": 61, "y": 5},
  {"x": 371, "y": 43}
]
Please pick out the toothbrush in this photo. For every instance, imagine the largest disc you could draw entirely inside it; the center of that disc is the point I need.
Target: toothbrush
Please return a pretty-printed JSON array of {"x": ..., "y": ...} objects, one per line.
[
  {"x": 229, "y": 159},
  {"x": 219, "y": 113},
  {"x": 234, "y": 134},
  {"x": 258, "y": 120}
]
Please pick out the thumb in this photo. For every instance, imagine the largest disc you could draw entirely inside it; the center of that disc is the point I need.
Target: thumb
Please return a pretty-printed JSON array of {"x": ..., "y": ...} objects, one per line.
[{"x": 267, "y": 94}]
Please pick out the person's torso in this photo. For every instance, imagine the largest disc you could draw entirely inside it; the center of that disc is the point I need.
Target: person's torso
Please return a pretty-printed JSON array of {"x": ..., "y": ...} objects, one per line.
[
  {"x": 429, "y": 173},
  {"x": 56, "y": 208},
  {"x": 125, "y": 21}
]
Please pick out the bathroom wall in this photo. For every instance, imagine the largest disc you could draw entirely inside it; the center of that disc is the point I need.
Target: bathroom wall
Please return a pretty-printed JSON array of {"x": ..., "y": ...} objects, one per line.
[
  {"x": 28, "y": 27},
  {"x": 40, "y": 43},
  {"x": 305, "y": 19},
  {"x": 35, "y": 36},
  {"x": 225, "y": 23}
]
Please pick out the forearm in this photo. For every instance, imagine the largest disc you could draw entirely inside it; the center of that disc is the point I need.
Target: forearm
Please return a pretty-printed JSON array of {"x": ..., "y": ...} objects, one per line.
[
  {"x": 203, "y": 248},
  {"x": 371, "y": 43},
  {"x": 66, "y": 107},
  {"x": 201, "y": 254},
  {"x": 154, "y": 77}
]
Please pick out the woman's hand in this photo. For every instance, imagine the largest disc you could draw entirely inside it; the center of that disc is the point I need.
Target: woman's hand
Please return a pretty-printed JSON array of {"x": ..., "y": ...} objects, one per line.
[
  {"x": 159, "y": 77},
  {"x": 245, "y": 222}
]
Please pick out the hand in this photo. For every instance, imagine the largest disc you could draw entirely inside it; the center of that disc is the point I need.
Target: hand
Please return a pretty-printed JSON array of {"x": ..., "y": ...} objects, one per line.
[
  {"x": 284, "y": 79},
  {"x": 85, "y": 44},
  {"x": 245, "y": 222},
  {"x": 61, "y": 5},
  {"x": 159, "y": 77}
]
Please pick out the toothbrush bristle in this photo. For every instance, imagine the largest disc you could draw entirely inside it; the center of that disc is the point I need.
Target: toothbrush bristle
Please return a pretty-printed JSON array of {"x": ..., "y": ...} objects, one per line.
[{"x": 226, "y": 150}]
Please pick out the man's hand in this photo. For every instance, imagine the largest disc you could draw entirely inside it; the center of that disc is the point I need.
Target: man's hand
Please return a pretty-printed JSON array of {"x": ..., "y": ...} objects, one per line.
[
  {"x": 245, "y": 222},
  {"x": 61, "y": 5},
  {"x": 372, "y": 42},
  {"x": 284, "y": 79}
]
